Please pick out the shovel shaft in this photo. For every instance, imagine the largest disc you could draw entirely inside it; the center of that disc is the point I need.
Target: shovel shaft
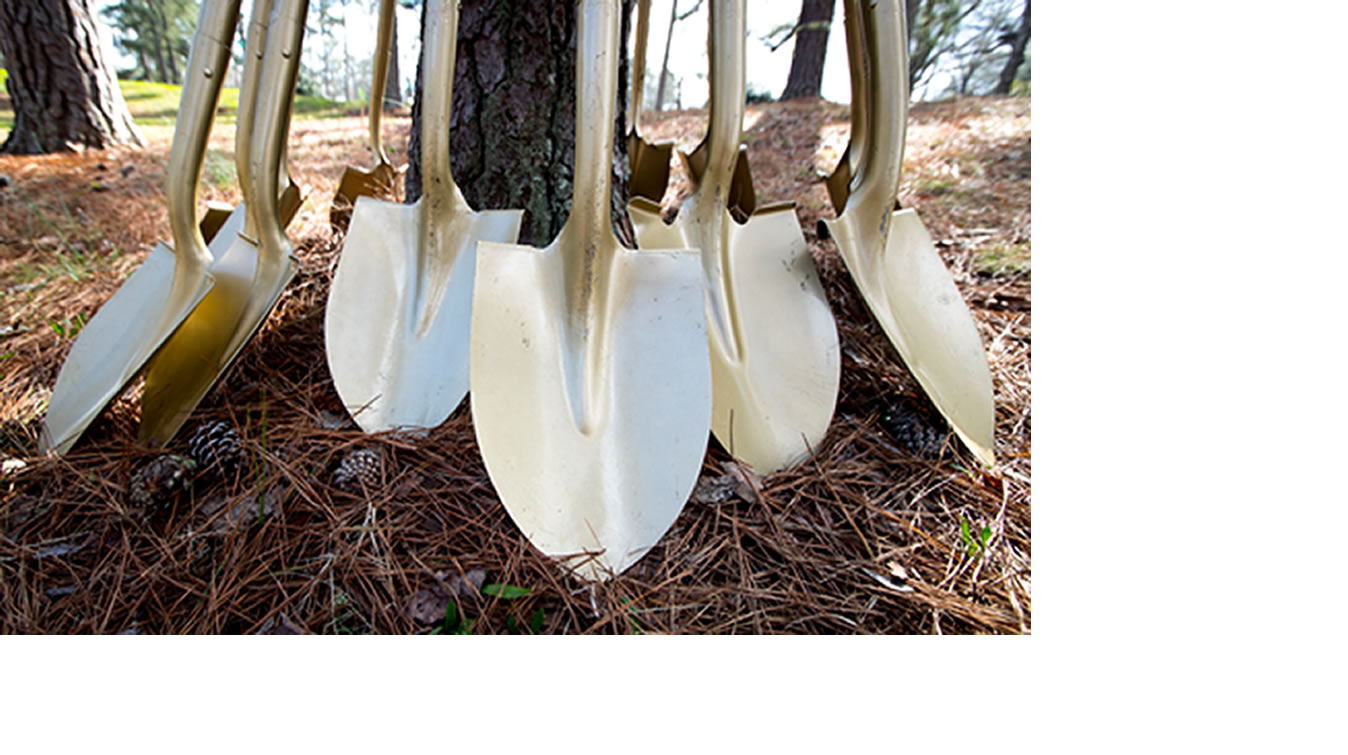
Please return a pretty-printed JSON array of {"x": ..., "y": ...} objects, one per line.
[
  {"x": 255, "y": 45},
  {"x": 271, "y": 124},
  {"x": 596, "y": 90},
  {"x": 206, "y": 67},
  {"x": 854, "y": 25},
  {"x": 383, "y": 42},
  {"x": 887, "y": 104},
  {"x": 438, "y": 45},
  {"x": 725, "y": 42}
]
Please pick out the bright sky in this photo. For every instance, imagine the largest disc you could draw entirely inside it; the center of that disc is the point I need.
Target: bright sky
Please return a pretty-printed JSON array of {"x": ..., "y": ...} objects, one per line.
[{"x": 767, "y": 71}]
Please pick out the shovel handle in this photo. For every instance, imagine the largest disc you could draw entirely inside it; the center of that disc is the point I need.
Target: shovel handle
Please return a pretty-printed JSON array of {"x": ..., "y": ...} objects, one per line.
[
  {"x": 855, "y": 26},
  {"x": 725, "y": 54},
  {"x": 384, "y": 41},
  {"x": 255, "y": 46},
  {"x": 596, "y": 90},
  {"x": 271, "y": 125},
  {"x": 439, "y": 41},
  {"x": 887, "y": 104},
  {"x": 206, "y": 67}
]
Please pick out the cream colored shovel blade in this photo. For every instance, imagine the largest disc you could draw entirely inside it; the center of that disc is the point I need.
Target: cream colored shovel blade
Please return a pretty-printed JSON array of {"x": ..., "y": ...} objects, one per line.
[
  {"x": 593, "y": 458},
  {"x": 773, "y": 395},
  {"x": 116, "y": 342},
  {"x": 915, "y": 300},
  {"x": 397, "y": 334}
]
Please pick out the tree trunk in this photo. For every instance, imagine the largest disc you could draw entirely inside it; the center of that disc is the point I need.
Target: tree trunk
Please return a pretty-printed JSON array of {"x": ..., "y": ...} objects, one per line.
[
  {"x": 393, "y": 87},
  {"x": 514, "y": 114},
  {"x": 63, "y": 89},
  {"x": 1014, "y": 62},
  {"x": 807, "y": 60}
]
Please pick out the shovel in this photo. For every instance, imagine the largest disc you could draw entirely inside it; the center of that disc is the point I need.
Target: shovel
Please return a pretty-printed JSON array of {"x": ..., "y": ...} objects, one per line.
[
  {"x": 591, "y": 389},
  {"x": 208, "y": 341},
  {"x": 773, "y": 343},
  {"x": 378, "y": 180},
  {"x": 891, "y": 256},
  {"x": 649, "y": 162},
  {"x": 400, "y": 310},
  {"x": 128, "y": 329},
  {"x": 219, "y": 216}
]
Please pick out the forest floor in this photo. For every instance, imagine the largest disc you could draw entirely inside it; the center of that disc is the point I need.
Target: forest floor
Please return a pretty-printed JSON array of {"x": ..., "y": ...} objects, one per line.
[{"x": 874, "y": 534}]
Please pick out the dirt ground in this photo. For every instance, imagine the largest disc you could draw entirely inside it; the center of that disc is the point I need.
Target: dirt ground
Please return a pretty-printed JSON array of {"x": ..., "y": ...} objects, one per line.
[{"x": 878, "y": 533}]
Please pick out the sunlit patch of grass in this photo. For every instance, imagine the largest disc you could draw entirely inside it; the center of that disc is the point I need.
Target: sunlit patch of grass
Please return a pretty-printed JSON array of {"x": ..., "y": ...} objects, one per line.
[{"x": 1001, "y": 258}]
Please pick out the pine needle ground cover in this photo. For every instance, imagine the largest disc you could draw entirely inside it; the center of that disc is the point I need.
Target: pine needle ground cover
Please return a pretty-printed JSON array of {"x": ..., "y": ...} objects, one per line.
[{"x": 272, "y": 513}]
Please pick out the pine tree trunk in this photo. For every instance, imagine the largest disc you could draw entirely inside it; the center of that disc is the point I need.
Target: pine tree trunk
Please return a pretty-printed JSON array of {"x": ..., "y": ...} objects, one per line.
[
  {"x": 1014, "y": 62},
  {"x": 393, "y": 95},
  {"x": 513, "y": 123},
  {"x": 63, "y": 89},
  {"x": 807, "y": 61}
]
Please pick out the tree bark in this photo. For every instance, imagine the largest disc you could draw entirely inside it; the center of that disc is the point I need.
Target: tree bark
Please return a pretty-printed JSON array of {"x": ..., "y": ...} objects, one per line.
[
  {"x": 62, "y": 86},
  {"x": 1014, "y": 62},
  {"x": 807, "y": 60},
  {"x": 512, "y": 141}
]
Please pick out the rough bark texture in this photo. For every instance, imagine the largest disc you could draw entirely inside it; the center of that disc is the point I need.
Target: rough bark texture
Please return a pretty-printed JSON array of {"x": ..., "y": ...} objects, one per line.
[
  {"x": 1014, "y": 62},
  {"x": 512, "y": 142},
  {"x": 64, "y": 92},
  {"x": 807, "y": 61}
]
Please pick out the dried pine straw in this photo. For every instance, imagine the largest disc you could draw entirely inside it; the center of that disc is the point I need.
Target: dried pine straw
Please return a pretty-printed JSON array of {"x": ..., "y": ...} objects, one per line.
[{"x": 865, "y": 537}]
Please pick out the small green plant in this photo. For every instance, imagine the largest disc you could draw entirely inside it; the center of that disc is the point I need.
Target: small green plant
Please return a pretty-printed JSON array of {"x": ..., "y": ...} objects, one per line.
[
  {"x": 219, "y": 170},
  {"x": 453, "y": 623},
  {"x": 70, "y": 328},
  {"x": 976, "y": 547},
  {"x": 505, "y": 592}
]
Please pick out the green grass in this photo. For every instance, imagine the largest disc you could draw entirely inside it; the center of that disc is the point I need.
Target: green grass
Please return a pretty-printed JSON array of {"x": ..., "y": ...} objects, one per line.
[
  {"x": 153, "y": 104},
  {"x": 999, "y": 258}
]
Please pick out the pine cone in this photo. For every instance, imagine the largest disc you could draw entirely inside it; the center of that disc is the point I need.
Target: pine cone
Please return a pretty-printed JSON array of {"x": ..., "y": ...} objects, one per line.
[
  {"x": 358, "y": 469},
  {"x": 159, "y": 482},
  {"x": 215, "y": 448},
  {"x": 913, "y": 432}
]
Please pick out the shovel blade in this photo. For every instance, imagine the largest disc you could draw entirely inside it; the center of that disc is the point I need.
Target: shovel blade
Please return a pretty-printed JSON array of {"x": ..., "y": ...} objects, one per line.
[
  {"x": 774, "y": 390},
  {"x": 399, "y": 314},
  {"x": 593, "y": 446},
  {"x": 911, "y": 294},
  {"x": 113, "y": 346}
]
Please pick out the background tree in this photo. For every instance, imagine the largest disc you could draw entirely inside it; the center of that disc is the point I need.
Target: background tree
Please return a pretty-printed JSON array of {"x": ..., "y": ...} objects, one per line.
[
  {"x": 807, "y": 60},
  {"x": 513, "y": 121},
  {"x": 674, "y": 17},
  {"x": 158, "y": 33},
  {"x": 932, "y": 29},
  {"x": 1017, "y": 57},
  {"x": 61, "y": 85}
]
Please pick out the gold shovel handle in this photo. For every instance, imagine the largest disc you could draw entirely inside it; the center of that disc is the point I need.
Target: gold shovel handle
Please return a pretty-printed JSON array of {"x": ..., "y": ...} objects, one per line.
[
  {"x": 438, "y": 46},
  {"x": 596, "y": 90},
  {"x": 383, "y": 43},
  {"x": 271, "y": 125},
  {"x": 886, "y": 106},
  {"x": 206, "y": 67}
]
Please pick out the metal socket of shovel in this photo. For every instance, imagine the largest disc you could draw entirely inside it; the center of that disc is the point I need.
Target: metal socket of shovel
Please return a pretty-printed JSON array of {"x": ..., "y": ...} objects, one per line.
[
  {"x": 774, "y": 346},
  {"x": 591, "y": 388},
  {"x": 890, "y": 254},
  {"x": 377, "y": 181},
  {"x": 649, "y": 162},
  {"x": 131, "y": 326},
  {"x": 208, "y": 341},
  {"x": 400, "y": 311}
]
